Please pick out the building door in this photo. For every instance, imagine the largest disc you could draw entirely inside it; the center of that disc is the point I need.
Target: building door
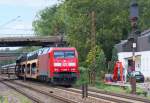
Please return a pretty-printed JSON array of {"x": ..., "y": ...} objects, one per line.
[{"x": 138, "y": 63}]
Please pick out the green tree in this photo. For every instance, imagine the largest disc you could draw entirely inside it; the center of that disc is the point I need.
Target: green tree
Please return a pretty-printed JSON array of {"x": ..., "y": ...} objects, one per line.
[
  {"x": 47, "y": 22},
  {"x": 100, "y": 65},
  {"x": 5, "y": 62},
  {"x": 114, "y": 58},
  {"x": 73, "y": 18},
  {"x": 96, "y": 63}
]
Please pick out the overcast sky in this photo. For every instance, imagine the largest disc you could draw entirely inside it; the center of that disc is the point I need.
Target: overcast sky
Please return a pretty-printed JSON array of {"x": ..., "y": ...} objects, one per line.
[{"x": 16, "y": 16}]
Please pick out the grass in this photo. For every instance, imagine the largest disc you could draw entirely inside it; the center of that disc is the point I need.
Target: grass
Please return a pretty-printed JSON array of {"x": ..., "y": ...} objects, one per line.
[
  {"x": 22, "y": 98},
  {"x": 101, "y": 85},
  {"x": 115, "y": 89},
  {"x": 3, "y": 99},
  {"x": 105, "y": 87},
  {"x": 14, "y": 95},
  {"x": 118, "y": 89}
]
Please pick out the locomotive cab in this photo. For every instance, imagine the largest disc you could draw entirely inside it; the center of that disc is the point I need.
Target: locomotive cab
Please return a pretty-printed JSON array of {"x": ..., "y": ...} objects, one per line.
[{"x": 65, "y": 66}]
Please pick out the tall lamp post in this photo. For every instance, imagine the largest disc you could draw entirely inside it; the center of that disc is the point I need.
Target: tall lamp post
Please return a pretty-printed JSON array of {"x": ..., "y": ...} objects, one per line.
[{"x": 134, "y": 13}]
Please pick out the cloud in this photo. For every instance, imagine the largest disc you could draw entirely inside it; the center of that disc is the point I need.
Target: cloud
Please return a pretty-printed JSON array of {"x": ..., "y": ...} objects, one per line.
[{"x": 29, "y": 3}]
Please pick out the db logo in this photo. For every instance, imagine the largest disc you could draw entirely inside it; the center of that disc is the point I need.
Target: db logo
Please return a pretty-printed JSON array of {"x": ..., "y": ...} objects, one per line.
[{"x": 65, "y": 64}]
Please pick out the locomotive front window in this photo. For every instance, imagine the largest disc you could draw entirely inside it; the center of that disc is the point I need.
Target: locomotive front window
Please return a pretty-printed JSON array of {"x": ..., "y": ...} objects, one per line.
[
  {"x": 64, "y": 54},
  {"x": 69, "y": 54},
  {"x": 59, "y": 54}
]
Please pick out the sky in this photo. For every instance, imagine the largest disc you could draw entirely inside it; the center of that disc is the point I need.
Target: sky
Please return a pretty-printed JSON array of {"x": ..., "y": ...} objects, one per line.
[{"x": 16, "y": 16}]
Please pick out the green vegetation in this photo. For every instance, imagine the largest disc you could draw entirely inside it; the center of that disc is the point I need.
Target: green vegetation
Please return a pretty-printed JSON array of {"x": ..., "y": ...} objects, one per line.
[
  {"x": 72, "y": 18},
  {"x": 114, "y": 58},
  {"x": 4, "y": 62},
  {"x": 118, "y": 89},
  {"x": 22, "y": 98},
  {"x": 20, "y": 50},
  {"x": 94, "y": 36},
  {"x": 110, "y": 88},
  {"x": 19, "y": 97},
  {"x": 3, "y": 99},
  {"x": 83, "y": 77}
]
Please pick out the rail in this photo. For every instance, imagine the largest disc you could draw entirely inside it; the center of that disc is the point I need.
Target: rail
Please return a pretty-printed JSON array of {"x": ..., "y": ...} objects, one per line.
[
  {"x": 66, "y": 100},
  {"x": 92, "y": 93},
  {"x": 23, "y": 93}
]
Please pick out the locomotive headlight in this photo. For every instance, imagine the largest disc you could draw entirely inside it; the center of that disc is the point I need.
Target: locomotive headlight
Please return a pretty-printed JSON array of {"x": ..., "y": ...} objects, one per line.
[
  {"x": 57, "y": 64},
  {"x": 56, "y": 69},
  {"x": 73, "y": 69},
  {"x": 72, "y": 64}
]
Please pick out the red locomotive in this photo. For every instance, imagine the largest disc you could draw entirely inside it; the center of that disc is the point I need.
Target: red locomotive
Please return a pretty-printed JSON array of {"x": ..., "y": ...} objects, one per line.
[{"x": 58, "y": 65}]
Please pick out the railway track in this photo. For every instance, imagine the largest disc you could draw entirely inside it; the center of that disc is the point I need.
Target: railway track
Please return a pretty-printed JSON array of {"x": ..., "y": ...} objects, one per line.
[
  {"x": 128, "y": 96},
  {"x": 33, "y": 98},
  {"x": 92, "y": 94},
  {"x": 114, "y": 97},
  {"x": 109, "y": 96},
  {"x": 36, "y": 100}
]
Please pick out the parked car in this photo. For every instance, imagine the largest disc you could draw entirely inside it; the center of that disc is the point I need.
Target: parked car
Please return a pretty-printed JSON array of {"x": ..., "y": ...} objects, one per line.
[{"x": 138, "y": 75}]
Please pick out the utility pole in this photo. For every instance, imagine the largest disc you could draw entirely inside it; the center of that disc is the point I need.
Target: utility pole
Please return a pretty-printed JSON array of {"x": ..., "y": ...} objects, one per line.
[
  {"x": 93, "y": 30},
  {"x": 133, "y": 39},
  {"x": 93, "y": 44}
]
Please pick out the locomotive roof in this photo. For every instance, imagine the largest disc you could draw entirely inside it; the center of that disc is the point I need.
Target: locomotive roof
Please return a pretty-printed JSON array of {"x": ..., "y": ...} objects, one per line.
[
  {"x": 46, "y": 50},
  {"x": 39, "y": 52},
  {"x": 42, "y": 51}
]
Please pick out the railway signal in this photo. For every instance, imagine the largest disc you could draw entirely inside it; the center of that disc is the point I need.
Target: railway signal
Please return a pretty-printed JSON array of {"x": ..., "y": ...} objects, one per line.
[{"x": 132, "y": 39}]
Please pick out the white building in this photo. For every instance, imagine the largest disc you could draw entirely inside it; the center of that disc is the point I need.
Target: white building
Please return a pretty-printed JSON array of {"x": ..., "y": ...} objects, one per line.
[{"x": 142, "y": 54}]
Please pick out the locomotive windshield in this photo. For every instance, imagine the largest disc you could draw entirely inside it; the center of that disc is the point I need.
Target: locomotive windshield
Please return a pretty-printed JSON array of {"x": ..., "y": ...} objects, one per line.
[{"x": 64, "y": 54}]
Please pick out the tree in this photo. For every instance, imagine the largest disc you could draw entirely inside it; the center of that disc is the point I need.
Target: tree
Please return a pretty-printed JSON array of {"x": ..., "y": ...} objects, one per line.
[
  {"x": 100, "y": 65},
  {"x": 96, "y": 63},
  {"x": 114, "y": 58},
  {"x": 72, "y": 18},
  {"x": 47, "y": 22},
  {"x": 5, "y": 62}
]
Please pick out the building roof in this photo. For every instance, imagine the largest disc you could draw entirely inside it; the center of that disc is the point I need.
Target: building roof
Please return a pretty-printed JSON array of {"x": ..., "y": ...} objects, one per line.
[{"x": 143, "y": 43}]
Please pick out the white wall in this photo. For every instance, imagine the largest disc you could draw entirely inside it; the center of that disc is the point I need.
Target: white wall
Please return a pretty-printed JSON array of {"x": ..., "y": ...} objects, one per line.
[
  {"x": 145, "y": 63},
  {"x": 142, "y": 62}
]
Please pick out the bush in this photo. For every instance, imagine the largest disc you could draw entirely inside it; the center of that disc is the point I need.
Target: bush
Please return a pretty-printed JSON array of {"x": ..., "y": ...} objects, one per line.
[{"x": 83, "y": 76}]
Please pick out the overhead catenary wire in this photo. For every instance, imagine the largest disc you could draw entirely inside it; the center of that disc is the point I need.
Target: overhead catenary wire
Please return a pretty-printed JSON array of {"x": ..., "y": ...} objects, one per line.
[
  {"x": 10, "y": 21},
  {"x": 25, "y": 29}
]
